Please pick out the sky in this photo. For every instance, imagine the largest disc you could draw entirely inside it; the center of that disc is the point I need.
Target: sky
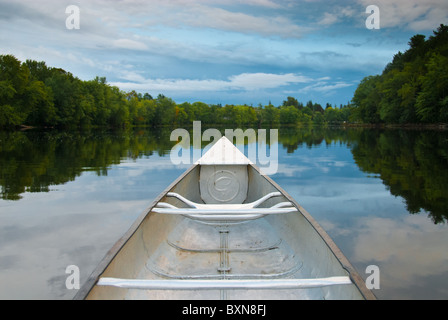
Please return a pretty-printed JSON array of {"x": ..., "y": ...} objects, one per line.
[{"x": 219, "y": 51}]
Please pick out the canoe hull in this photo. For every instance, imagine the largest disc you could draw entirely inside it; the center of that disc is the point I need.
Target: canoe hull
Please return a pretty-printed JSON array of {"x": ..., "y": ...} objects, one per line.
[{"x": 175, "y": 247}]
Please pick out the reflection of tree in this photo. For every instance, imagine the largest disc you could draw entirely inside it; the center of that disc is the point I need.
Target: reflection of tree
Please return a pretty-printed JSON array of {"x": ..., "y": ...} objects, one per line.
[
  {"x": 33, "y": 161},
  {"x": 412, "y": 164},
  {"x": 310, "y": 136}
]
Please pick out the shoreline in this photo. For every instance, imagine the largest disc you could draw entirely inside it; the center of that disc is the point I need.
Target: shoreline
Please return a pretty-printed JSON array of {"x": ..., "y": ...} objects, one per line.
[{"x": 408, "y": 126}]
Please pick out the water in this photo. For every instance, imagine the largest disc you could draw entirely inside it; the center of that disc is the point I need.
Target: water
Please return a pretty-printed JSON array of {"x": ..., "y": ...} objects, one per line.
[{"x": 66, "y": 198}]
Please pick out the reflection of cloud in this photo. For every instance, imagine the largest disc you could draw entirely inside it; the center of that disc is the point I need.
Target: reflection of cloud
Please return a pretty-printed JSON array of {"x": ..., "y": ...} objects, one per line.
[
  {"x": 40, "y": 250},
  {"x": 76, "y": 224},
  {"x": 323, "y": 164},
  {"x": 404, "y": 249},
  {"x": 334, "y": 228},
  {"x": 291, "y": 170}
]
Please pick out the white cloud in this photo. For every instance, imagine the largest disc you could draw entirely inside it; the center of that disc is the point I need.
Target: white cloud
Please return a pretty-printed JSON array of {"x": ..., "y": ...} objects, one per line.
[
  {"x": 328, "y": 18},
  {"x": 244, "y": 81},
  {"x": 325, "y": 87},
  {"x": 129, "y": 44},
  {"x": 337, "y": 15},
  {"x": 253, "y": 81},
  {"x": 132, "y": 76},
  {"x": 222, "y": 19}
]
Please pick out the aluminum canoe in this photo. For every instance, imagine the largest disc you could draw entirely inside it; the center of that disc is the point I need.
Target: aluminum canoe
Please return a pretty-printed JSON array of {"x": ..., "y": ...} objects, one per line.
[{"x": 223, "y": 230}]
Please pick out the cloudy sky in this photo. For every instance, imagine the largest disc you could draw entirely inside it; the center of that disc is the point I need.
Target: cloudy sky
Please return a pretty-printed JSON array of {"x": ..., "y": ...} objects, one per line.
[{"x": 219, "y": 51}]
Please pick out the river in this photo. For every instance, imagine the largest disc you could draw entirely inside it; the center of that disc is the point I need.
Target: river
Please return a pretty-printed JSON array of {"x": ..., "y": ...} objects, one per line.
[{"x": 381, "y": 194}]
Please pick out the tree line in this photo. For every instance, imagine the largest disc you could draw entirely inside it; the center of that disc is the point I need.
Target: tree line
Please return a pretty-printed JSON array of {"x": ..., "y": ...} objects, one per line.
[
  {"x": 34, "y": 94},
  {"x": 413, "y": 87}
]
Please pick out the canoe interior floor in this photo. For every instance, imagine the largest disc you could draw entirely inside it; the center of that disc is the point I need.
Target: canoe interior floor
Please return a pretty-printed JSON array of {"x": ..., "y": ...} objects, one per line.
[{"x": 249, "y": 250}]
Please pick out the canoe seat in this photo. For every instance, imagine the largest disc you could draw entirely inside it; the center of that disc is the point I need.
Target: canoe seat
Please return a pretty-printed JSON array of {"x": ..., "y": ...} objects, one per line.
[{"x": 224, "y": 212}]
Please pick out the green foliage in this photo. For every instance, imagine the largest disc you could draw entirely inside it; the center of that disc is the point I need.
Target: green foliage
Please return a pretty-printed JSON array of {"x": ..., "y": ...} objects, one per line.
[
  {"x": 270, "y": 115},
  {"x": 431, "y": 102},
  {"x": 413, "y": 88},
  {"x": 289, "y": 115},
  {"x": 33, "y": 94},
  {"x": 366, "y": 100},
  {"x": 14, "y": 80}
]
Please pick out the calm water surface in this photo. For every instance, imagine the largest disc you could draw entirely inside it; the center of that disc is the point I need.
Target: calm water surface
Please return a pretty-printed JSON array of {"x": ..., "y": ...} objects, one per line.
[{"x": 66, "y": 197}]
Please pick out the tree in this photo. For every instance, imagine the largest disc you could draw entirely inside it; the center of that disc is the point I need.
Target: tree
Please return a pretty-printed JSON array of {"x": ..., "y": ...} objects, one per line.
[
  {"x": 331, "y": 115},
  {"x": 290, "y": 101},
  {"x": 40, "y": 101},
  {"x": 431, "y": 103},
  {"x": 148, "y": 111},
  {"x": 289, "y": 115},
  {"x": 14, "y": 78},
  {"x": 244, "y": 115},
  {"x": 66, "y": 93},
  {"x": 270, "y": 115},
  {"x": 147, "y": 96},
  {"x": 412, "y": 88},
  {"x": 181, "y": 117},
  {"x": 38, "y": 70},
  {"x": 201, "y": 111},
  {"x": 318, "y": 118},
  {"x": 366, "y": 100},
  {"x": 165, "y": 110}
]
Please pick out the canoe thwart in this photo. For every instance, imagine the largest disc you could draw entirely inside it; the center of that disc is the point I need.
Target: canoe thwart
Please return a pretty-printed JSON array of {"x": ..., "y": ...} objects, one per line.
[
  {"x": 223, "y": 284},
  {"x": 225, "y": 212},
  {"x": 232, "y": 206}
]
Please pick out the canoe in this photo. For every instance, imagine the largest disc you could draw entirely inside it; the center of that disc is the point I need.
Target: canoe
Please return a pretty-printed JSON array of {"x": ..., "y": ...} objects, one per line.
[{"x": 224, "y": 230}]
